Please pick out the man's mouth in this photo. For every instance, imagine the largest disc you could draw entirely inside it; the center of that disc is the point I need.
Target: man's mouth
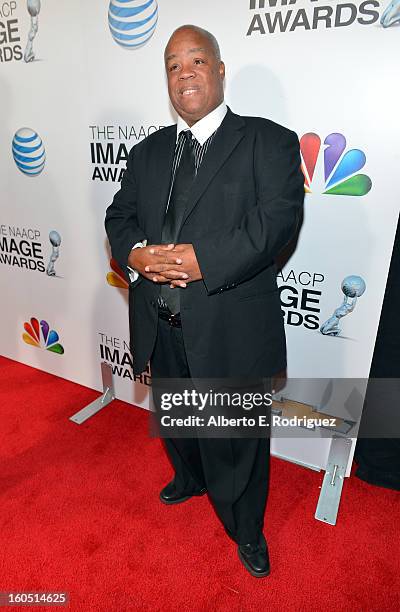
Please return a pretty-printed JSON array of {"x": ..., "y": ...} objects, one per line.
[{"x": 188, "y": 91}]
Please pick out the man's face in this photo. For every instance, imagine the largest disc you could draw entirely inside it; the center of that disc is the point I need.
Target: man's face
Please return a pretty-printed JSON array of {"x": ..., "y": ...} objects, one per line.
[{"x": 195, "y": 75}]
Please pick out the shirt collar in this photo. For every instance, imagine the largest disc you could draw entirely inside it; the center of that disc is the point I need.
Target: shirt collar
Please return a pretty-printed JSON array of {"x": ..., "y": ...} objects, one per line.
[{"x": 203, "y": 129}]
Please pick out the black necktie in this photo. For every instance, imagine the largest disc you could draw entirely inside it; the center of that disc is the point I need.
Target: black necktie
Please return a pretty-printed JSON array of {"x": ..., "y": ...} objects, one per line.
[{"x": 184, "y": 177}]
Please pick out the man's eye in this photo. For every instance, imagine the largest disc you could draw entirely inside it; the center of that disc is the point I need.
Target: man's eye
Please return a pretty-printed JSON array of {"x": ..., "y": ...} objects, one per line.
[
  {"x": 173, "y": 67},
  {"x": 199, "y": 61}
]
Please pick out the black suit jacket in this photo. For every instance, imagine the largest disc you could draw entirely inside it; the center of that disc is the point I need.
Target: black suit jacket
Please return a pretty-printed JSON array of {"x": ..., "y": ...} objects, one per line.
[{"x": 243, "y": 208}]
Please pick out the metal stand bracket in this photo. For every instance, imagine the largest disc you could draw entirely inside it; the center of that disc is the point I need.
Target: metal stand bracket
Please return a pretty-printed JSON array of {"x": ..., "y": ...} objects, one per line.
[
  {"x": 102, "y": 401},
  {"x": 332, "y": 485}
]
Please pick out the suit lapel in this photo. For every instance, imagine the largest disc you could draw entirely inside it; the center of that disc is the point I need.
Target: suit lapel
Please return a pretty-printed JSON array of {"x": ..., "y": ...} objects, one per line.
[
  {"x": 163, "y": 159},
  {"x": 228, "y": 136}
]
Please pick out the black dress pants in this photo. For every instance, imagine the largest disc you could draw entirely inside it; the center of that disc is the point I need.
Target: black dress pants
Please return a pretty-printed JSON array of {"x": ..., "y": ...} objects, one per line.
[{"x": 235, "y": 471}]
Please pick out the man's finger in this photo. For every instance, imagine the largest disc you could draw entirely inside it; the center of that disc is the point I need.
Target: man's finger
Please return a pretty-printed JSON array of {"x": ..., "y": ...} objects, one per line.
[
  {"x": 174, "y": 275},
  {"x": 166, "y": 258},
  {"x": 158, "y": 278},
  {"x": 156, "y": 248},
  {"x": 177, "y": 283},
  {"x": 181, "y": 248},
  {"x": 166, "y": 268}
]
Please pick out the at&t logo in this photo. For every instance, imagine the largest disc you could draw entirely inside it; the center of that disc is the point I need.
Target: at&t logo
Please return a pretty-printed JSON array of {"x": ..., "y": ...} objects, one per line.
[
  {"x": 28, "y": 151},
  {"x": 132, "y": 22}
]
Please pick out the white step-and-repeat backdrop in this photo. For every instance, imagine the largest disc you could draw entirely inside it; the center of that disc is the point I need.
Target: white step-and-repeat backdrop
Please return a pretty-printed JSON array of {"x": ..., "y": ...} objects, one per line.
[{"x": 82, "y": 82}]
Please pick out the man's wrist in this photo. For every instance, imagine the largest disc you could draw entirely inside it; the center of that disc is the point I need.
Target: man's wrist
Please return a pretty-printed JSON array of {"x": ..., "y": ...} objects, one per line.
[{"x": 133, "y": 274}]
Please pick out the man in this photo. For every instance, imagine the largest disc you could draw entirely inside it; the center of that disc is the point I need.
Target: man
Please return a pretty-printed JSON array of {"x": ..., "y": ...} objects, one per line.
[{"x": 203, "y": 210}]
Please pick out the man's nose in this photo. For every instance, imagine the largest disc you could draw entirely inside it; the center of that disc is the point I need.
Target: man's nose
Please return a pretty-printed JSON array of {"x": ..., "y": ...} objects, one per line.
[{"x": 187, "y": 73}]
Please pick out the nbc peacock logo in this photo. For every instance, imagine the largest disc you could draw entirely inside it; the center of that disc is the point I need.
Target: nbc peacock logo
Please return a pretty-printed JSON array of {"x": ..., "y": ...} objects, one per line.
[
  {"x": 132, "y": 22},
  {"x": 41, "y": 336},
  {"x": 115, "y": 277},
  {"x": 331, "y": 169}
]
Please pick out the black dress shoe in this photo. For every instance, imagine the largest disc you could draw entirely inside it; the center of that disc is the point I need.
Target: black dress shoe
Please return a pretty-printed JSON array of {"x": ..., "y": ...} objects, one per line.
[
  {"x": 255, "y": 558},
  {"x": 169, "y": 494}
]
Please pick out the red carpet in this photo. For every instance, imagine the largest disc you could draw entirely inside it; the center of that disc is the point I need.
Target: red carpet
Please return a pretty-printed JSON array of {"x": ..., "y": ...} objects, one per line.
[{"x": 80, "y": 513}]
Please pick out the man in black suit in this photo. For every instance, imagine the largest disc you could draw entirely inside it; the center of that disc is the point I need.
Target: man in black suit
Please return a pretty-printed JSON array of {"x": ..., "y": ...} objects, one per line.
[{"x": 204, "y": 208}]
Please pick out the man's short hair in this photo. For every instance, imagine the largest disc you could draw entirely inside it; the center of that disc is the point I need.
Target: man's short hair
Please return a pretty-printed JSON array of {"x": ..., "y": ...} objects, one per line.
[{"x": 210, "y": 37}]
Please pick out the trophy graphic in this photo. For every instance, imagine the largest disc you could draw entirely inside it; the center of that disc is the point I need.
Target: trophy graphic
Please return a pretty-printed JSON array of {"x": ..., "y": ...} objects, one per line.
[
  {"x": 33, "y": 10},
  {"x": 55, "y": 240},
  {"x": 353, "y": 287},
  {"x": 391, "y": 14}
]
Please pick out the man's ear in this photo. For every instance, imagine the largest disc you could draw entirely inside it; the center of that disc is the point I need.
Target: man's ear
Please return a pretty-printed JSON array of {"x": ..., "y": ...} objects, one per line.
[{"x": 222, "y": 69}]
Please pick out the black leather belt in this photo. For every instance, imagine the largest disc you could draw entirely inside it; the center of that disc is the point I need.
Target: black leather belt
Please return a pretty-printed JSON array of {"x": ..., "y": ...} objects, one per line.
[{"x": 173, "y": 319}]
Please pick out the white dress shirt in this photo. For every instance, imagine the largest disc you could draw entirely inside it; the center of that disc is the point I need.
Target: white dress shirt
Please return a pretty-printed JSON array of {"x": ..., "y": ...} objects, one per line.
[{"x": 206, "y": 126}]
